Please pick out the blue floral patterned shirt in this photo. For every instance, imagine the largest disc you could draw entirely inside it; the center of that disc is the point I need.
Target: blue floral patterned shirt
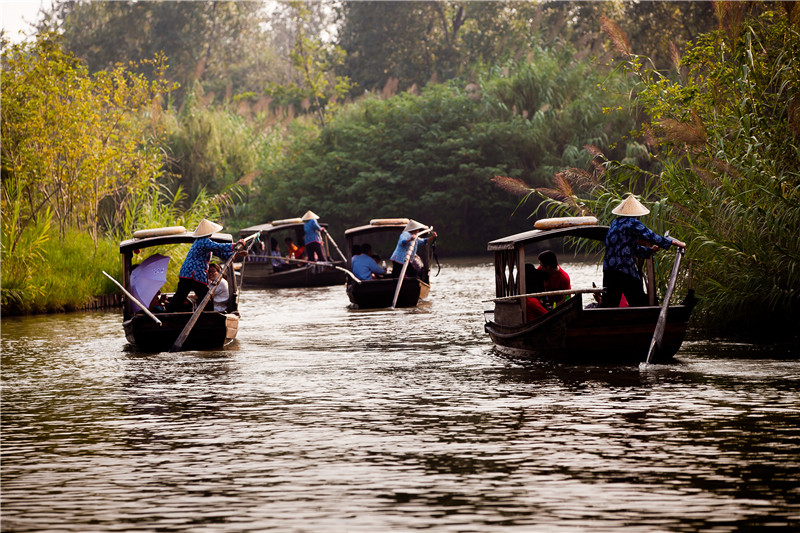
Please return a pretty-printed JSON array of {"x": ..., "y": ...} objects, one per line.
[
  {"x": 195, "y": 266},
  {"x": 622, "y": 245},
  {"x": 313, "y": 231}
]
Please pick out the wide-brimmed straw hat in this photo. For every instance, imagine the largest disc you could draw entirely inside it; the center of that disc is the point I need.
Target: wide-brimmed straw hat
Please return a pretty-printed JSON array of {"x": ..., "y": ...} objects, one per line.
[
  {"x": 630, "y": 207},
  {"x": 309, "y": 216},
  {"x": 413, "y": 225},
  {"x": 206, "y": 228}
]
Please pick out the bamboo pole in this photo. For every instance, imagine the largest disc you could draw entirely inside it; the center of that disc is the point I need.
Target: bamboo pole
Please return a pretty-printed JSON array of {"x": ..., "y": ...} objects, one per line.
[
  {"x": 132, "y": 297},
  {"x": 548, "y": 293},
  {"x": 662, "y": 316}
]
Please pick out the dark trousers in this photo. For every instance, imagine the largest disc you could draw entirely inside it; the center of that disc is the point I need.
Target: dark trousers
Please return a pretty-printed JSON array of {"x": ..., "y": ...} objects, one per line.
[
  {"x": 185, "y": 286},
  {"x": 314, "y": 248},
  {"x": 411, "y": 272},
  {"x": 617, "y": 284}
]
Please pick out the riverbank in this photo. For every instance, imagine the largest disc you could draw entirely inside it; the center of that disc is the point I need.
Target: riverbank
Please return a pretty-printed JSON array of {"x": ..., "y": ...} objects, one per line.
[{"x": 54, "y": 273}]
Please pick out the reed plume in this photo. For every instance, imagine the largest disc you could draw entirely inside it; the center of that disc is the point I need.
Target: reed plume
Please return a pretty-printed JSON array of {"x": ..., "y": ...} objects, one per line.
[
  {"x": 617, "y": 36},
  {"x": 515, "y": 186}
]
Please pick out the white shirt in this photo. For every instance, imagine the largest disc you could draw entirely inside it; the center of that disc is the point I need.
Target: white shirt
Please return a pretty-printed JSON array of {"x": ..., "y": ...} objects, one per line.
[{"x": 221, "y": 296}]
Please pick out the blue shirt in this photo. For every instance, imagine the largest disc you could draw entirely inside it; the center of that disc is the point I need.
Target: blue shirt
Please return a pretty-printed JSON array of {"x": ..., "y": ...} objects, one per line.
[
  {"x": 622, "y": 245},
  {"x": 403, "y": 244},
  {"x": 313, "y": 231},
  {"x": 195, "y": 266},
  {"x": 364, "y": 266},
  {"x": 277, "y": 262}
]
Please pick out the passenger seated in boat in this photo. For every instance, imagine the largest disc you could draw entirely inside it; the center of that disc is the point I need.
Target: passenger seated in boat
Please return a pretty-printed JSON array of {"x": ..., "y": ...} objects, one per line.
[
  {"x": 364, "y": 266},
  {"x": 292, "y": 251},
  {"x": 275, "y": 252},
  {"x": 557, "y": 279},
  {"x": 159, "y": 303},
  {"x": 221, "y": 294},
  {"x": 534, "y": 282}
]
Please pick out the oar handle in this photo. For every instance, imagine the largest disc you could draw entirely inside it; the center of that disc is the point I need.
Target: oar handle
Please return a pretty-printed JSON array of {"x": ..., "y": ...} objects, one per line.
[{"x": 132, "y": 297}]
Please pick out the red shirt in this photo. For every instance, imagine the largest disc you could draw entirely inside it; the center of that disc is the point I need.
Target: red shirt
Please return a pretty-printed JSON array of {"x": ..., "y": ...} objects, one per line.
[
  {"x": 534, "y": 308},
  {"x": 557, "y": 281}
]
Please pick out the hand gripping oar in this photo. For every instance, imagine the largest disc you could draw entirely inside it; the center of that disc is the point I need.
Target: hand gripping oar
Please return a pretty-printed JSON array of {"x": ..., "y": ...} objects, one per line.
[
  {"x": 662, "y": 316},
  {"x": 132, "y": 297},
  {"x": 328, "y": 235},
  {"x": 405, "y": 265},
  {"x": 193, "y": 320}
]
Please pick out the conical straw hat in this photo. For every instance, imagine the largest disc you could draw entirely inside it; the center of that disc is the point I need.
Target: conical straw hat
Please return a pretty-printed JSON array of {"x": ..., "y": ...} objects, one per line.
[
  {"x": 413, "y": 225},
  {"x": 630, "y": 207},
  {"x": 309, "y": 215},
  {"x": 206, "y": 228}
]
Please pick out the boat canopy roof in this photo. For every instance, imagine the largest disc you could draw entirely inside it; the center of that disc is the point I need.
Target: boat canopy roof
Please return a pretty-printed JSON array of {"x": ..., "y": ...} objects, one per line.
[
  {"x": 180, "y": 238},
  {"x": 377, "y": 225},
  {"x": 270, "y": 227},
  {"x": 595, "y": 232}
]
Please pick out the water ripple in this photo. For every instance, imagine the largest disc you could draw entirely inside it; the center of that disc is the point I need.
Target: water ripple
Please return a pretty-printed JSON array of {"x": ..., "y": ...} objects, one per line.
[{"x": 324, "y": 418}]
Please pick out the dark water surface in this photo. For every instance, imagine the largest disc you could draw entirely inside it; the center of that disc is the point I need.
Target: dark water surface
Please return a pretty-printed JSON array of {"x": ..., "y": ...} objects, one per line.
[{"x": 325, "y": 419}]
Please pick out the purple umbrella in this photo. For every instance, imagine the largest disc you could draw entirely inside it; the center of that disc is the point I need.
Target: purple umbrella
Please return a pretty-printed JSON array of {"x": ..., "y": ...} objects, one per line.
[{"x": 148, "y": 278}]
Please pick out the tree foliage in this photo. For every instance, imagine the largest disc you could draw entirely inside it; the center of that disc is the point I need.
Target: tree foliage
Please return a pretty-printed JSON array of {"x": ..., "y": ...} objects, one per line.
[
  {"x": 315, "y": 87},
  {"x": 71, "y": 139},
  {"x": 430, "y": 156},
  {"x": 416, "y": 42},
  {"x": 726, "y": 131},
  {"x": 220, "y": 44}
]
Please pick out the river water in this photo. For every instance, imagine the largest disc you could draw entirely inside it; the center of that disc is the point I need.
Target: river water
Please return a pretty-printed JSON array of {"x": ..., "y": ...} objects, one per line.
[{"x": 326, "y": 419}]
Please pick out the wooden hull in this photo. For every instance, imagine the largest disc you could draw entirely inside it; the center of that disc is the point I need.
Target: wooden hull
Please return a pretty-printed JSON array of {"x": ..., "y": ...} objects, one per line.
[
  {"x": 258, "y": 274},
  {"x": 379, "y": 293},
  {"x": 573, "y": 334},
  {"x": 213, "y": 330}
]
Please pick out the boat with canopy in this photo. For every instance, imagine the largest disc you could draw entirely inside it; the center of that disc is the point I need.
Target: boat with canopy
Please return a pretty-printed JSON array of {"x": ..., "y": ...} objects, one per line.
[{"x": 572, "y": 331}]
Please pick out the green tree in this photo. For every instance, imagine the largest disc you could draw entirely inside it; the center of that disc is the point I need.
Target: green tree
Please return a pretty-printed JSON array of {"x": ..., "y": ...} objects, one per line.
[
  {"x": 430, "y": 156},
  {"x": 220, "y": 44},
  {"x": 415, "y": 42},
  {"x": 315, "y": 87},
  {"x": 726, "y": 131},
  {"x": 71, "y": 140}
]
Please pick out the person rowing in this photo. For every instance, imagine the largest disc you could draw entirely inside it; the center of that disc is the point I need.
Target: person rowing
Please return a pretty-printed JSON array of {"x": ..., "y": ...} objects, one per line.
[
  {"x": 409, "y": 236},
  {"x": 620, "y": 273},
  {"x": 193, "y": 275}
]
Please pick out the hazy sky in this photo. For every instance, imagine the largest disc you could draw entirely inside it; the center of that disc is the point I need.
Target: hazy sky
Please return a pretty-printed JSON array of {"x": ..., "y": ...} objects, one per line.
[{"x": 18, "y": 15}]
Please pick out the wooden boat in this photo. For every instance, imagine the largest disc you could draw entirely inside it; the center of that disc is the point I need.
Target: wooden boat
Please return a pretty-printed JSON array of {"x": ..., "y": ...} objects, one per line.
[
  {"x": 257, "y": 269},
  {"x": 213, "y": 329},
  {"x": 571, "y": 332},
  {"x": 382, "y": 234}
]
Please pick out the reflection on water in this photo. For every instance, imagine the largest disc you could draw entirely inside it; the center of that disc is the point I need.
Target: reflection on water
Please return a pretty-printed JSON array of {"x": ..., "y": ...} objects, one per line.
[{"x": 323, "y": 418}]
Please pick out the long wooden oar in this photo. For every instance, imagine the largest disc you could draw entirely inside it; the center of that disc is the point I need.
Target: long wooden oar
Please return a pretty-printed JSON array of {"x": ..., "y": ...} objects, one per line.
[
  {"x": 662, "y": 316},
  {"x": 548, "y": 293},
  {"x": 193, "y": 320},
  {"x": 321, "y": 263},
  {"x": 132, "y": 297},
  {"x": 328, "y": 235},
  {"x": 405, "y": 265}
]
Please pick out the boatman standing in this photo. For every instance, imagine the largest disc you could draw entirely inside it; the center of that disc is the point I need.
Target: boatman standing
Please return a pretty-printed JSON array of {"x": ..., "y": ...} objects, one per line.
[
  {"x": 193, "y": 275},
  {"x": 404, "y": 243},
  {"x": 620, "y": 273},
  {"x": 313, "y": 239}
]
